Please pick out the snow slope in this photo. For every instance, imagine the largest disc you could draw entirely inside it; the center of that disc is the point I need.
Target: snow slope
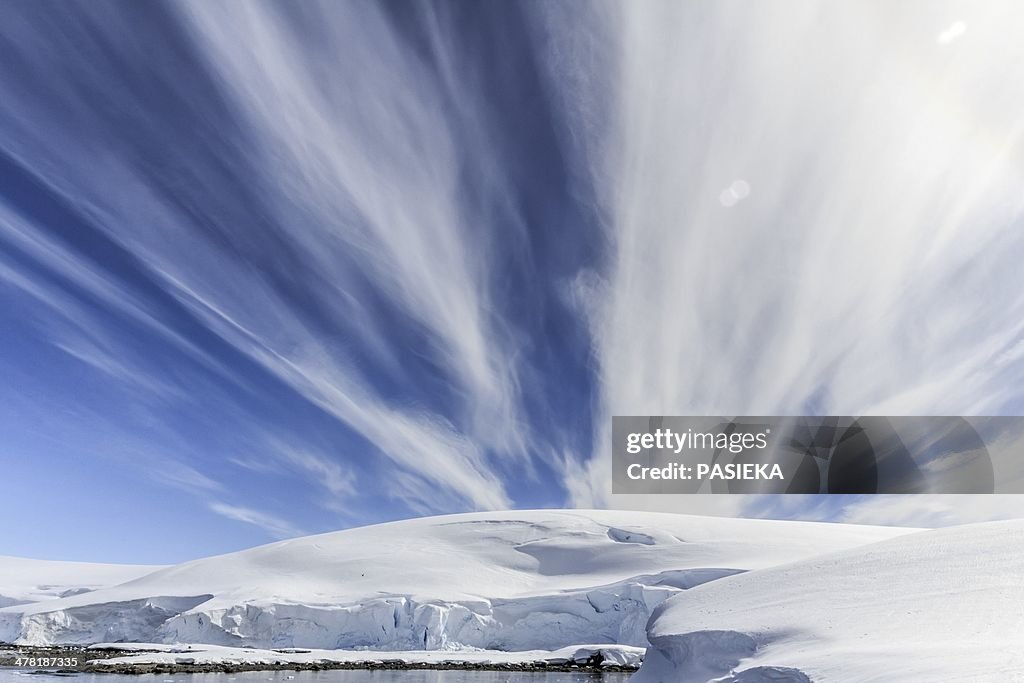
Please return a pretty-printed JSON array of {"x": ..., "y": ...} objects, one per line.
[
  {"x": 25, "y": 581},
  {"x": 516, "y": 580},
  {"x": 943, "y": 605}
]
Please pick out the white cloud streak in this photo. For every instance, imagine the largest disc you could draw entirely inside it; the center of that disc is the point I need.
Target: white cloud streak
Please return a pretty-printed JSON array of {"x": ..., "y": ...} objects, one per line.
[
  {"x": 874, "y": 270},
  {"x": 932, "y": 511},
  {"x": 278, "y": 528},
  {"x": 372, "y": 159},
  {"x": 330, "y": 474},
  {"x": 420, "y": 443},
  {"x": 863, "y": 260},
  {"x": 183, "y": 476},
  {"x": 366, "y": 166},
  {"x": 89, "y": 341}
]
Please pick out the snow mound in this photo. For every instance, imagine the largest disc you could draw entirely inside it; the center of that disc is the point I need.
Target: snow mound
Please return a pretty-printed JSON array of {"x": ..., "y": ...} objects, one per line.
[
  {"x": 24, "y": 581},
  {"x": 521, "y": 580},
  {"x": 934, "y": 605}
]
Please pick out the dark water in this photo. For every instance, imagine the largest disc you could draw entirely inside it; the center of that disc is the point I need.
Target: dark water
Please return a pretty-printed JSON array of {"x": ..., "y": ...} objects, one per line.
[{"x": 338, "y": 676}]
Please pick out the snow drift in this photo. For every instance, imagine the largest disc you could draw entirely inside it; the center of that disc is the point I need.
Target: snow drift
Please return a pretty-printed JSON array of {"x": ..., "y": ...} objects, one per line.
[
  {"x": 942, "y": 605},
  {"x": 509, "y": 581}
]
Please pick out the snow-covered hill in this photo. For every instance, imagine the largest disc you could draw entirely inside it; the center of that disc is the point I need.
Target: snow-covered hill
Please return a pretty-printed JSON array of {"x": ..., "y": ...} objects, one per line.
[
  {"x": 509, "y": 581},
  {"x": 26, "y": 581},
  {"x": 944, "y": 605}
]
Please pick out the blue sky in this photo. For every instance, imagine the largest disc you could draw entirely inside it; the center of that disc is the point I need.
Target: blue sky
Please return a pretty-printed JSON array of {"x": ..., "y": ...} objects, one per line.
[{"x": 271, "y": 269}]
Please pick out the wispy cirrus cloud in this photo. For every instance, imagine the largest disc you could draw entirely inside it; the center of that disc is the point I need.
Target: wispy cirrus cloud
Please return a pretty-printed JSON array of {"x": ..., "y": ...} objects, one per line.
[
  {"x": 360, "y": 187},
  {"x": 274, "y": 526},
  {"x": 184, "y": 476},
  {"x": 421, "y": 257},
  {"x": 871, "y": 265},
  {"x": 372, "y": 165},
  {"x": 419, "y": 442}
]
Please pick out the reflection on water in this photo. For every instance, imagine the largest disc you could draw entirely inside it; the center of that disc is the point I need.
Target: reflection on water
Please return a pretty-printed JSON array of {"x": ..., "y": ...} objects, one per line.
[{"x": 338, "y": 676}]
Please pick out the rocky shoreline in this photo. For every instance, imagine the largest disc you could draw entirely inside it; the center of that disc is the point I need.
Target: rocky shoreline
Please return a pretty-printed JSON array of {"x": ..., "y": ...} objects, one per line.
[{"x": 85, "y": 659}]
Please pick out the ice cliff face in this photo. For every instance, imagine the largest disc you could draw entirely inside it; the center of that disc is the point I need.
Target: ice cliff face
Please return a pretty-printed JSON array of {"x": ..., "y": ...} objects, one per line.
[
  {"x": 507, "y": 581},
  {"x": 611, "y": 614}
]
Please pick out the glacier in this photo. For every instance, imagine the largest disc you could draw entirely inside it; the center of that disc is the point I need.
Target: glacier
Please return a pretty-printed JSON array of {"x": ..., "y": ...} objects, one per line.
[
  {"x": 693, "y": 598},
  {"x": 507, "y": 581}
]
